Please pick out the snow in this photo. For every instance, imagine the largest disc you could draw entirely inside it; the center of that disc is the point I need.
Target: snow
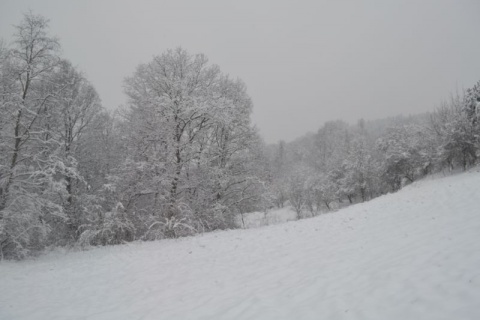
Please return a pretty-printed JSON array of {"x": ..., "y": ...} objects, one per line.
[
  {"x": 260, "y": 219},
  {"x": 414, "y": 254}
]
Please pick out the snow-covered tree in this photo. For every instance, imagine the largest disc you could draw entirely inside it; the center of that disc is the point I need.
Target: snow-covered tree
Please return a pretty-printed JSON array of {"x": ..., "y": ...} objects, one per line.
[
  {"x": 472, "y": 106},
  {"x": 359, "y": 173},
  {"x": 190, "y": 144},
  {"x": 73, "y": 111},
  {"x": 31, "y": 163},
  {"x": 321, "y": 192},
  {"x": 407, "y": 154},
  {"x": 297, "y": 188},
  {"x": 46, "y": 106},
  {"x": 456, "y": 129}
]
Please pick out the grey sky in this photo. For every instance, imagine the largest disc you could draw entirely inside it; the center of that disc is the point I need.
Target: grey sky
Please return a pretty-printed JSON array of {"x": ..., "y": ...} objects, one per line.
[{"x": 304, "y": 62}]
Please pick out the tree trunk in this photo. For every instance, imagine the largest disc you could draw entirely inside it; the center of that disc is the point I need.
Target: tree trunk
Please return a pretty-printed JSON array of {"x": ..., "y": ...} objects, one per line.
[
  {"x": 13, "y": 162},
  {"x": 327, "y": 204},
  {"x": 243, "y": 220}
]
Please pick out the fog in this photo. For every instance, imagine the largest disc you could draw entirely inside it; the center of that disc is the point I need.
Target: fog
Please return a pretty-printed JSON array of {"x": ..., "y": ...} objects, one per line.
[{"x": 304, "y": 62}]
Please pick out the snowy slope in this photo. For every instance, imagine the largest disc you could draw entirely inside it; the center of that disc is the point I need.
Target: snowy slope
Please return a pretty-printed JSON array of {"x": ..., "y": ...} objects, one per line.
[{"x": 410, "y": 255}]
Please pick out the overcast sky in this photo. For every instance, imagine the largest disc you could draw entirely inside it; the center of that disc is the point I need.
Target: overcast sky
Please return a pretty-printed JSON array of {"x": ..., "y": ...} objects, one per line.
[{"x": 304, "y": 62}]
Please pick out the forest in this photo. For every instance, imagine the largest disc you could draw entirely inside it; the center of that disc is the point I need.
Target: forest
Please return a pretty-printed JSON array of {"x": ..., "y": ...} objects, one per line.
[{"x": 182, "y": 157}]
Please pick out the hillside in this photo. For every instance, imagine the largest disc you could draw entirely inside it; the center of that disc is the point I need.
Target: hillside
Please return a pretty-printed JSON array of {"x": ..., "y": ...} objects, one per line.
[{"x": 414, "y": 254}]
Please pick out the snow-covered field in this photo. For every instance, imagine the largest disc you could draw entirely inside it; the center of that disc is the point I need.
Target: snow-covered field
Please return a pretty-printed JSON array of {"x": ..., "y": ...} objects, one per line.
[{"x": 410, "y": 255}]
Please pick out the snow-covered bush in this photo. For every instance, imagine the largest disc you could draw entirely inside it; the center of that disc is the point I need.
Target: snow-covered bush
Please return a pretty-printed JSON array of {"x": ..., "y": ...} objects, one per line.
[{"x": 113, "y": 227}]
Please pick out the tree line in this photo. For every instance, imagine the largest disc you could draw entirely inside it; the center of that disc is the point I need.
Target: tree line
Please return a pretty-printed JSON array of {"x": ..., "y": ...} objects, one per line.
[
  {"x": 342, "y": 164},
  {"x": 183, "y": 156}
]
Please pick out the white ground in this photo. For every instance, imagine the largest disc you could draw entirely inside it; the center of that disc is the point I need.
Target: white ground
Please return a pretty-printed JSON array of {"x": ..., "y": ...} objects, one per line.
[{"x": 410, "y": 255}]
